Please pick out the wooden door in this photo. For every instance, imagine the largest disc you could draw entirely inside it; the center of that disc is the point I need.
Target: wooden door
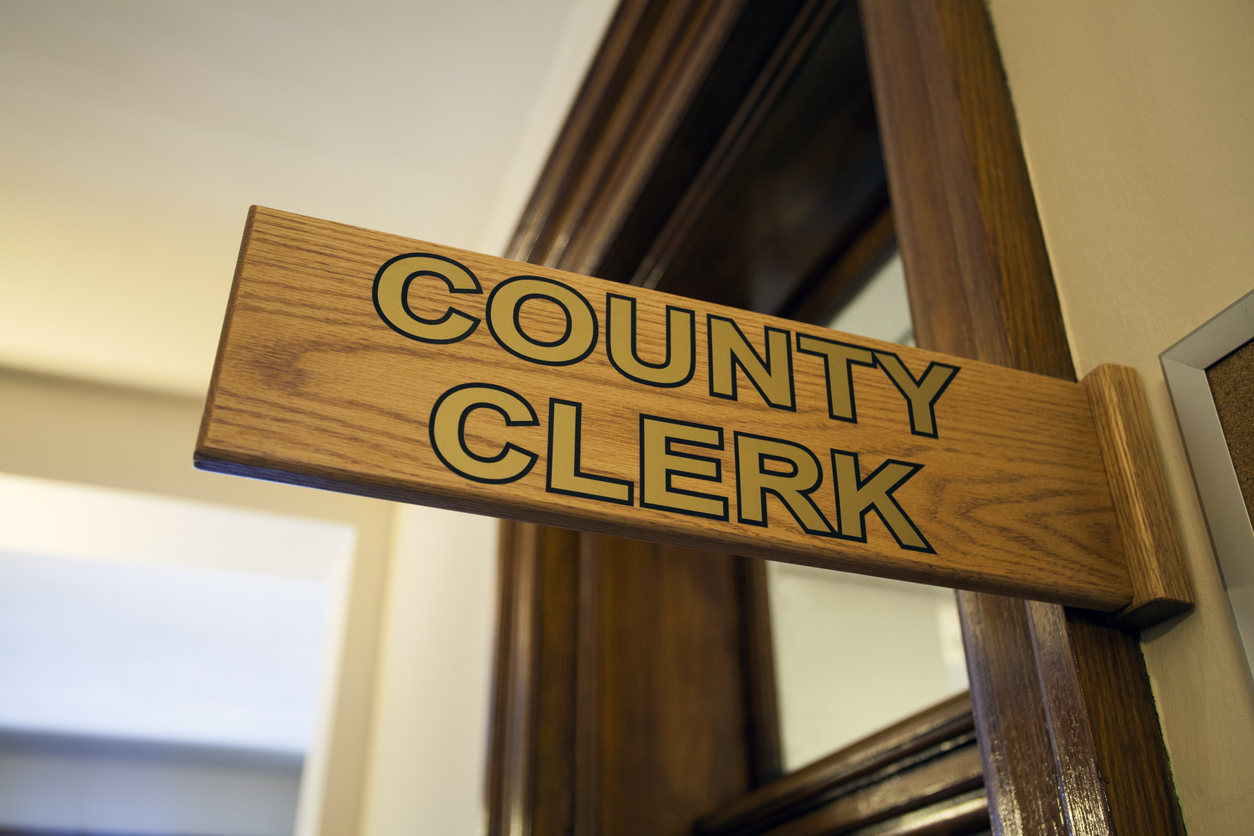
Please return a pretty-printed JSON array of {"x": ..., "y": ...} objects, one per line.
[{"x": 634, "y": 691}]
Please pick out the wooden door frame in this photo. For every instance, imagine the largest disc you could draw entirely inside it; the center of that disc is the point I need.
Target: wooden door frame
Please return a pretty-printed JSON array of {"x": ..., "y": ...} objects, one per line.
[{"x": 1067, "y": 728}]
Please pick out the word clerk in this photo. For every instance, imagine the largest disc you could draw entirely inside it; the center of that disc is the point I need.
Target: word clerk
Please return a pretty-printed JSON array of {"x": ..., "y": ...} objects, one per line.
[{"x": 547, "y": 322}]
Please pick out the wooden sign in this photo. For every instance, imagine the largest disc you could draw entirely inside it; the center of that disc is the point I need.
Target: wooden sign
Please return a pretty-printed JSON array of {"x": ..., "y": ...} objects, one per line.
[{"x": 370, "y": 363}]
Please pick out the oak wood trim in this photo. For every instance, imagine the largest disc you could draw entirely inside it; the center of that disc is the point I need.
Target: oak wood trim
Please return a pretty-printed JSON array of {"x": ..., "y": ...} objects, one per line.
[
  {"x": 672, "y": 721},
  {"x": 1124, "y": 726},
  {"x": 943, "y": 727},
  {"x": 652, "y": 63},
  {"x": 1013, "y": 728},
  {"x": 980, "y": 286},
  {"x": 588, "y": 692},
  {"x": 788, "y": 54},
  {"x": 959, "y": 187},
  {"x": 1161, "y": 586},
  {"x": 954, "y": 773},
  {"x": 509, "y": 768},
  {"x": 930, "y": 783},
  {"x": 554, "y": 684},
  {"x": 1068, "y": 723},
  {"x": 585, "y": 123},
  {"x": 766, "y": 759},
  {"x": 847, "y": 275},
  {"x": 966, "y": 813},
  {"x": 580, "y": 199},
  {"x": 532, "y": 766}
]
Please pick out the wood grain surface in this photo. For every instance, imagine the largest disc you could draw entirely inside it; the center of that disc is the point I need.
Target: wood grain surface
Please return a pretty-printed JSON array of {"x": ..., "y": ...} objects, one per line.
[
  {"x": 1161, "y": 587},
  {"x": 932, "y": 733},
  {"x": 955, "y": 776},
  {"x": 312, "y": 386}
]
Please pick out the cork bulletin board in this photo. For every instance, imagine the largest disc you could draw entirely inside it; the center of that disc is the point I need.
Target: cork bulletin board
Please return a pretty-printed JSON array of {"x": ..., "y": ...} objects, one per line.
[
  {"x": 1210, "y": 375},
  {"x": 1232, "y": 386}
]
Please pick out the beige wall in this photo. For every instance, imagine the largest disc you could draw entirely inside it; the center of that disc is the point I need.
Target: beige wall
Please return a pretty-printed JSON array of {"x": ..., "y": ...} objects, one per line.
[{"x": 1137, "y": 119}]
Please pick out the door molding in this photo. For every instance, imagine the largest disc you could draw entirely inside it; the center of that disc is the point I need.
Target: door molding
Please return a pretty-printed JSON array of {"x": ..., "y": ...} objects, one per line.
[
  {"x": 1068, "y": 731},
  {"x": 1067, "y": 728}
]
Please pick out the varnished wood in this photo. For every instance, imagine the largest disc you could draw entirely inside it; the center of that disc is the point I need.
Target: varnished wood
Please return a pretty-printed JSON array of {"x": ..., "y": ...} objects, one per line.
[
  {"x": 555, "y": 761},
  {"x": 1123, "y": 725},
  {"x": 650, "y": 67},
  {"x": 959, "y": 185},
  {"x": 1068, "y": 731},
  {"x": 923, "y": 736},
  {"x": 591, "y": 653},
  {"x": 1016, "y": 743},
  {"x": 621, "y": 700},
  {"x": 966, "y": 813},
  {"x": 981, "y": 286},
  {"x": 626, "y": 69},
  {"x": 666, "y": 732},
  {"x": 1161, "y": 587},
  {"x": 795, "y": 180},
  {"x": 1006, "y": 490},
  {"x": 532, "y": 766},
  {"x": 942, "y": 778},
  {"x": 510, "y": 768},
  {"x": 921, "y": 775},
  {"x": 758, "y": 662},
  {"x": 748, "y": 118},
  {"x": 1067, "y": 718}
]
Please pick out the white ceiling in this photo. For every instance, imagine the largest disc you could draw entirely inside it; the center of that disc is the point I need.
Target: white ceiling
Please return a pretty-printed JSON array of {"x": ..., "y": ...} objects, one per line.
[{"x": 135, "y": 135}]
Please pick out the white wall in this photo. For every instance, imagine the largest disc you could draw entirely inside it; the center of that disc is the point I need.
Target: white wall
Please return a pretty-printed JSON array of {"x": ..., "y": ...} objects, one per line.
[
  {"x": 1136, "y": 118},
  {"x": 855, "y": 654},
  {"x": 428, "y": 758},
  {"x": 163, "y": 659}
]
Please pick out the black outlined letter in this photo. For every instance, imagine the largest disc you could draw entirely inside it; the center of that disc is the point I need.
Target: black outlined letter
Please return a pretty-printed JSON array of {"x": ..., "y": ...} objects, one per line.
[
  {"x": 755, "y": 479},
  {"x": 855, "y": 497},
  {"x": 771, "y": 377},
  {"x": 660, "y": 463},
  {"x": 621, "y": 344},
  {"x": 448, "y": 432},
  {"x": 565, "y": 475},
  {"x": 505, "y": 305},
  {"x": 920, "y": 394},
  {"x": 391, "y": 297},
  {"x": 838, "y": 360}
]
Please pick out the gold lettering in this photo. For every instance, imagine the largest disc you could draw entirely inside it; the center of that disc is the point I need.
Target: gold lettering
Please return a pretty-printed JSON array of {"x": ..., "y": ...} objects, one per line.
[
  {"x": 621, "y": 344},
  {"x": 771, "y": 377},
  {"x": 793, "y": 486},
  {"x": 448, "y": 432},
  {"x": 565, "y": 475},
  {"x": 921, "y": 394},
  {"x": 505, "y": 306},
  {"x": 855, "y": 497},
  {"x": 660, "y": 464},
  {"x": 391, "y": 297},
  {"x": 838, "y": 360}
]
